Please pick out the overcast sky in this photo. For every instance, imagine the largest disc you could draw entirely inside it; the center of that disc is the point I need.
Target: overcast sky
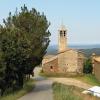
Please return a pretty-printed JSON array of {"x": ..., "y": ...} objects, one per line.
[{"x": 81, "y": 17}]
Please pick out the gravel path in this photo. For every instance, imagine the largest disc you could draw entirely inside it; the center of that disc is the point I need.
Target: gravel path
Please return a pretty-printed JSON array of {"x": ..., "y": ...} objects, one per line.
[
  {"x": 42, "y": 90},
  {"x": 43, "y": 87}
]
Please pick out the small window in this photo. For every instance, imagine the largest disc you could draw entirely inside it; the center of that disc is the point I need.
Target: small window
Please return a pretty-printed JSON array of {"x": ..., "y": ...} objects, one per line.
[{"x": 51, "y": 67}]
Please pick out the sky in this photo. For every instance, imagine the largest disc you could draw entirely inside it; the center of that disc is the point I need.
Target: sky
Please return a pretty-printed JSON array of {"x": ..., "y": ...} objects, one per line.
[{"x": 81, "y": 17}]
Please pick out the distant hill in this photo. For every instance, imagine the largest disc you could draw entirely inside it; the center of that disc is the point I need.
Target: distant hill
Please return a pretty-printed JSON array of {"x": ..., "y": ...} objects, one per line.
[
  {"x": 88, "y": 52},
  {"x": 86, "y": 49}
]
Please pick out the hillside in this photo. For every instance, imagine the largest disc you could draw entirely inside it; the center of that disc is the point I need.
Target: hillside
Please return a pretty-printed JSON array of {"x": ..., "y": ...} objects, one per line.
[{"x": 87, "y": 50}]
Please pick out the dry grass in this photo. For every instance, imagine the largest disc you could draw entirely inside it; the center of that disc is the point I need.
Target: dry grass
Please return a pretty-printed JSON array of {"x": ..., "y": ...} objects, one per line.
[
  {"x": 64, "y": 92},
  {"x": 89, "y": 78},
  {"x": 72, "y": 75}
]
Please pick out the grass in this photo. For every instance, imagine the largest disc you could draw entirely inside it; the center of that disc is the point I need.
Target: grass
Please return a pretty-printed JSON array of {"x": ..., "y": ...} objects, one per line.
[
  {"x": 89, "y": 78},
  {"x": 59, "y": 74},
  {"x": 28, "y": 86},
  {"x": 64, "y": 92}
]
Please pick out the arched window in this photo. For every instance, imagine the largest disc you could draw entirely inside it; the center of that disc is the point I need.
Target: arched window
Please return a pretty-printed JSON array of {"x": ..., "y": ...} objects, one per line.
[{"x": 64, "y": 33}]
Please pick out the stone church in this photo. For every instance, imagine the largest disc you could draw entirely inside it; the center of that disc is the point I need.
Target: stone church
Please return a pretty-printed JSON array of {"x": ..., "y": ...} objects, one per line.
[{"x": 67, "y": 60}]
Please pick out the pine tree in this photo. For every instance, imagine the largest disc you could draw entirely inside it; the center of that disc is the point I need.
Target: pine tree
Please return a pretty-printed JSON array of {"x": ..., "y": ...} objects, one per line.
[{"x": 24, "y": 39}]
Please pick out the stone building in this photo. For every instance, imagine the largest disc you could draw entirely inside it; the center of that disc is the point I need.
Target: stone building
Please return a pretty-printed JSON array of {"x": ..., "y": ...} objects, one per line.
[
  {"x": 67, "y": 60},
  {"x": 96, "y": 65}
]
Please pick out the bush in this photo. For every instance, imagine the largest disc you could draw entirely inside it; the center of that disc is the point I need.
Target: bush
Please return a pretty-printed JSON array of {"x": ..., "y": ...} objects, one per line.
[{"x": 88, "y": 66}]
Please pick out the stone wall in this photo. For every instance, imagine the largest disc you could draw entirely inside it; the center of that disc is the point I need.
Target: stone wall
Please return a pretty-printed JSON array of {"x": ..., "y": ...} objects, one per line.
[
  {"x": 70, "y": 61},
  {"x": 97, "y": 69},
  {"x": 51, "y": 66},
  {"x": 81, "y": 60},
  {"x": 67, "y": 61}
]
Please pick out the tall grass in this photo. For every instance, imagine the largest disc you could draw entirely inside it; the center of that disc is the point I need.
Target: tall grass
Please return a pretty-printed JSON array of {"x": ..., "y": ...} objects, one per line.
[{"x": 62, "y": 92}]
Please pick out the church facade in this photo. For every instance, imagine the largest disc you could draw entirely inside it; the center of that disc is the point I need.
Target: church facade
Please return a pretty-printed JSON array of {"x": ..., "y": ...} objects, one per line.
[{"x": 67, "y": 60}]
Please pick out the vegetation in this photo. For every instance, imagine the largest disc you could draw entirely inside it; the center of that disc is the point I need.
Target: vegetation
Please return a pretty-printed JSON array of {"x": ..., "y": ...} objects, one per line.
[
  {"x": 24, "y": 38},
  {"x": 88, "y": 66},
  {"x": 64, "y": 92},
  {"x": 28, "y": 86},
  {"x": 89, "y": 78},
  {"x": 60, "y": 74}
]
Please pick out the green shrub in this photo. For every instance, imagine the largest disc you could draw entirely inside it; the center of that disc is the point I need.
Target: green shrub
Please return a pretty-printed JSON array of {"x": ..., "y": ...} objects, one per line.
[{"x": 88, "y": 66}]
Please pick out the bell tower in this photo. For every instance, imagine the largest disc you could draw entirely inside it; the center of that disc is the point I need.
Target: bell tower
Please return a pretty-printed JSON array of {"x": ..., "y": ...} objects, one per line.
[{"x": 62, "y": 38}]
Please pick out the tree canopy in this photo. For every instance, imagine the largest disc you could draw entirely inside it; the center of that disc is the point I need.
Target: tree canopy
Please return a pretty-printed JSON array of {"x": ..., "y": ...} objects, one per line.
[{"x": 24, "y": 38}]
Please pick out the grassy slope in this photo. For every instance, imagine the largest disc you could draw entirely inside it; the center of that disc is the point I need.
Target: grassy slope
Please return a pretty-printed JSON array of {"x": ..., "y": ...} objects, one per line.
[
  {"x": 14, "y": 96},
  {"x": 90, "y": 79},
  {"x": 64, "y": 92}
]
